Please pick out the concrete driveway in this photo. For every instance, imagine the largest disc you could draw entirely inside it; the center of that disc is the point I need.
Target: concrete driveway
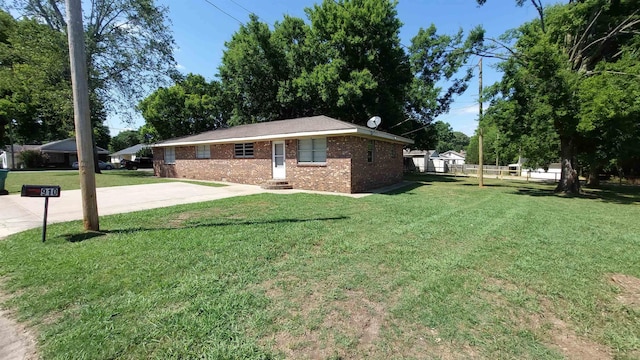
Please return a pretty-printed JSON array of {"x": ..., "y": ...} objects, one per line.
[{"x": 22, "y": 213}]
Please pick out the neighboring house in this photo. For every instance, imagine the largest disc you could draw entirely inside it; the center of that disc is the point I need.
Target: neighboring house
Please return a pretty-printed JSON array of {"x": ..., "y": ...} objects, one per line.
[
  {"x": 17, "y": 149},
  {"x": 127, "y": 154},
  {"x": 453, "y": 157},
  {"x": 431, "y": 160},
  {"x": 314, "y": 153},
  {"x": 553, "y": 172},
  {"x": 417, "y": 160},
  {"x": 61, "y": 153},
  {"x": 424, "y": 161}
]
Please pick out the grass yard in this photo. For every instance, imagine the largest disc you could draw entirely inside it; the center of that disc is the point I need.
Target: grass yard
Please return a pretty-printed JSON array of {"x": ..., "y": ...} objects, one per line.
[
  {"x": 70, "y": 179},
  {"x": 441, "y": 270}
]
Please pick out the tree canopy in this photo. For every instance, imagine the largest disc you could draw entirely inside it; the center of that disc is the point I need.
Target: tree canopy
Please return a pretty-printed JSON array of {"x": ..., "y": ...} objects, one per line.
[
  {"x": 346, "y": 62},
  {"x": 442, "y": 138},
  {"x": 34, "y": 86},
  {"x": 562, "y": 96},
  {"x": 128, "y": 42},
  {"x": 129, "y": 50},
  {"x": 190, "y": 106},
  {"x": 124, "y": 139}
]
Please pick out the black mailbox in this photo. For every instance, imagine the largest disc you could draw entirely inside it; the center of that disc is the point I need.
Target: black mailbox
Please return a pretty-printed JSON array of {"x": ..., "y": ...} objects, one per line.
[{"x": 40, "y": 191}]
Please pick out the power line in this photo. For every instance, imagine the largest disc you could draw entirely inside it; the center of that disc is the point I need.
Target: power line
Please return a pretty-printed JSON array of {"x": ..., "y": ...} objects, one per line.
[
  {"x": 242, "y": 7},
  {"x": 440, "y": 117},
  {"x": 251, "y": 12},
  {"x": 224, "y": 12}
]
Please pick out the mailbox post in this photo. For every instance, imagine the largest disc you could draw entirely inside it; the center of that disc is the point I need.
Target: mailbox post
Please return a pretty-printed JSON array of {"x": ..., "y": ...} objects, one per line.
[{"x": 45, "y": 191}]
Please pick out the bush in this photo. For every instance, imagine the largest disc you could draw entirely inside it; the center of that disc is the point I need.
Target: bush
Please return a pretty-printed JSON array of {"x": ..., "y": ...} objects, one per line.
[
  {"x": 31, "y": 158},
  {"x": 145, "y": 152}
]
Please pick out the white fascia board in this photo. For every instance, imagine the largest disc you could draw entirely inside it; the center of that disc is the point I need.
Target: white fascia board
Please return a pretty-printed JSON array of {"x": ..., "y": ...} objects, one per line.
[
  {"x": 384, "y": 135},
  {"x": 299, "y": 135}
]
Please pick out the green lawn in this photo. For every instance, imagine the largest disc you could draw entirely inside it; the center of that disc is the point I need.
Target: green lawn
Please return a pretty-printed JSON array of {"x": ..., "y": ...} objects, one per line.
[
  {"x": 442, "y": 269},
  {"x": 70, "y": 179}
]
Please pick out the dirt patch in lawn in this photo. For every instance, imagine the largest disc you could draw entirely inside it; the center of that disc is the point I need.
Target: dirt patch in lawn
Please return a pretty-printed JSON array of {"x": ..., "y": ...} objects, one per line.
[
  {"x": 322, "y": 322},
  {"x": 348, "y": 327},
  {"x": 629, "y": 289},
  {"x": 546, "y": 323}
]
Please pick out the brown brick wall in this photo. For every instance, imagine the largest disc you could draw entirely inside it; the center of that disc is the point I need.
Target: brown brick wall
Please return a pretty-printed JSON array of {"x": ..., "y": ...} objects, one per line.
[
  {"x": 222, "y": 166},
  {"x": 386, "y": 168},
  {"x": 346, "y": 169},
  {"x": 334, "y": 176}
]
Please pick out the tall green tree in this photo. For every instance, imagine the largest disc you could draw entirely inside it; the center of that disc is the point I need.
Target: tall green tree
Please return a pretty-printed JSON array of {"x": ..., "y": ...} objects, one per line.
[
  {"x": 609, "y": 113},
  {"x": 190, "y": 106},
  {"x": 124, "y": 139},
  {"x": 34, "y": 83},
  {"x": 460, "y": 141},
  {"x": 348, "y": 63},
  {"x": 552, "y": 58},
  {"x": 360, "y": 67},
  {"x": 497, "y": 147},
  {"x": 258, "y": 67},
  {"x": 129, "y": 46},
  {"x": 445, "y": 139}
]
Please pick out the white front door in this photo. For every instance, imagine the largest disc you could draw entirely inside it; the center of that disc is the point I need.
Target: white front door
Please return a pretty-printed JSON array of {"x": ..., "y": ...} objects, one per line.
[{"x": 279, "y": 169}]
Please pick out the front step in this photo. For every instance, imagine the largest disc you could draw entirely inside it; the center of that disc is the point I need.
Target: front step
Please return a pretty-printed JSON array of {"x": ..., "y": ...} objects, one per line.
[{"x": 277, "y": 185}]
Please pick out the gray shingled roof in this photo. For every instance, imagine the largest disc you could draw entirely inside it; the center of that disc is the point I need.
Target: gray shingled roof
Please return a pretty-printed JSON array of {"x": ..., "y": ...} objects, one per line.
[
  {"x": 281, "y": 129},
  {"x": 131, "y": 150},
  {"x": 59, "y": 146},
  {"x": 65, "y": 146}
]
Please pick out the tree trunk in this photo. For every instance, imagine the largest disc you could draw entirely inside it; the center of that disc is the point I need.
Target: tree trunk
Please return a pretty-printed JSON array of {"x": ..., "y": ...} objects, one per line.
[
  {"x": 593, "y": 179},
  {"x": 569, "y": 181}
]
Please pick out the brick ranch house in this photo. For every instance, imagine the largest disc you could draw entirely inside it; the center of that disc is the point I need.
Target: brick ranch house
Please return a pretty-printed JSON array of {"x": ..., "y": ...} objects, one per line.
[{"x": 312, "y": 153}]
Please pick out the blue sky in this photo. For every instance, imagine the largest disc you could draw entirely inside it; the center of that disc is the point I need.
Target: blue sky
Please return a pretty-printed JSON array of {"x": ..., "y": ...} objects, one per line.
[{"x": 201, "y": 27}]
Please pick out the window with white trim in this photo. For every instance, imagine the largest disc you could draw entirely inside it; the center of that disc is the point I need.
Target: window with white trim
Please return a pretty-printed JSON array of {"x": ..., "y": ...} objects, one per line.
[
  {"x": 371, "y": 149},
  {"x": 203, "y": 152},
  {"x": 170, "y": 155},
  {"x": 312, "y": 150},
  {"x": 244, "y": 150}
]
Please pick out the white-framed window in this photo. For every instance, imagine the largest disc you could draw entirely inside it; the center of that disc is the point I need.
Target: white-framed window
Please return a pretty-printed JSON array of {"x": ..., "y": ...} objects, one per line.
[
  {"x": 312, "y": 150},
  {"x": 170, "y": 155},
  {"x": 371, "y": 150},
  {"x": 203, "y": 151},
  {"x": 244, "y": 150}
]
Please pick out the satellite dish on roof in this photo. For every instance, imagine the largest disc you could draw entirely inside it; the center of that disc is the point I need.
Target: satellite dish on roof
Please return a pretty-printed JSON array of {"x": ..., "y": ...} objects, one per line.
[{"x": 374, "y": 122}]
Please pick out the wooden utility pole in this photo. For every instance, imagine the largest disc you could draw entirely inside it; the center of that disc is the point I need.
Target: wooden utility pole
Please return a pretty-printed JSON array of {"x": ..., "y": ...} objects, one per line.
[
  {"x": 82, "y": 115},
  {"x": 497, "y": 154},
  {"x": 480, "y": 135},
  {"x": 13, "y": 153}
]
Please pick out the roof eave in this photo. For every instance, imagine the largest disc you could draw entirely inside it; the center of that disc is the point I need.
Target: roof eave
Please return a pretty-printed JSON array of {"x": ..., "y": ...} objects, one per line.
[
  {"x": 384, "y": 135},
  {"x": 359, "y": 131}
]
